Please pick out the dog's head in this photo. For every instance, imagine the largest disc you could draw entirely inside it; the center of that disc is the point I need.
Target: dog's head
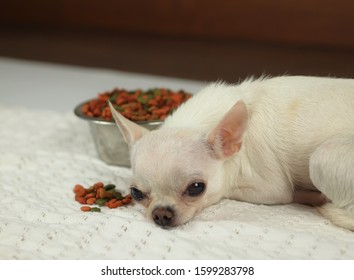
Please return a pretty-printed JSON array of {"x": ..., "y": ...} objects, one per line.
[{"x": 179, "y": 171}]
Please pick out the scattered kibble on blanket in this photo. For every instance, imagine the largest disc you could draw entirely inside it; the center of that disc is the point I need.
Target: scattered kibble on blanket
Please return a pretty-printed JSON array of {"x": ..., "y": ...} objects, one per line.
[{"x": 100, "y": 195}]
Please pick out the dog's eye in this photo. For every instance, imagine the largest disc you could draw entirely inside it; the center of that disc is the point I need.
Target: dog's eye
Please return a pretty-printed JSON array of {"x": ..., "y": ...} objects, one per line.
[
  {"x": 195, "y": 189},
  {"x": 136, "y": 194}
]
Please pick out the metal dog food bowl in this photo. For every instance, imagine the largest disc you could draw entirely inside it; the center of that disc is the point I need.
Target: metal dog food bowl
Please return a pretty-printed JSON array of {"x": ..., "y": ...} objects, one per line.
[{"x": 108, "y": 139}]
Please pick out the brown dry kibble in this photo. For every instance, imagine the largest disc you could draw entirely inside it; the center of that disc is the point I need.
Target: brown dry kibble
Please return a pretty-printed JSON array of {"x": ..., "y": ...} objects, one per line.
[
  {"x": 114, "y": 203},
  {"x": 80, "y": 199},
  {"x": 126, "y": 200},
  {"x": 100, "y": 195},
  {"x": 90, "y": 195},
  {"x": 98, "y": 185},
  {"x": 85, "y": 208},
  {"x": 103, "y": 193},
  {"x": 113, "y": 200},
  {"x": 79, "y": 190},
  {"x": 91, "y": 200}
]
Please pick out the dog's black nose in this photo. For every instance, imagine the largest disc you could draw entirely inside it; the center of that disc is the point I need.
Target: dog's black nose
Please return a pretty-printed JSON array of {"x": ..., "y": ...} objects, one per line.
[{"x": 163, "y": 216}]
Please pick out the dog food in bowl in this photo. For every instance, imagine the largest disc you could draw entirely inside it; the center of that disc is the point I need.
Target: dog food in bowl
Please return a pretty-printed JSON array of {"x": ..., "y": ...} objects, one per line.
[
  {"x": 147, "y": 108},
  {"x": 137, "y": 105}
]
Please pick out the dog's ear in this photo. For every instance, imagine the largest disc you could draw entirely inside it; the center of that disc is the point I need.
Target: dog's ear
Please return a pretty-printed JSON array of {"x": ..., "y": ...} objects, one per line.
[
  {"x": 131, "y": 131},
  {"x": 226, "y": 138}
]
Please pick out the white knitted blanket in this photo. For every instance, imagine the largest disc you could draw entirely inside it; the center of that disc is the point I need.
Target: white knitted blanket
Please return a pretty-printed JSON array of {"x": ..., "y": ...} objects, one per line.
[{"x": 44, "y": 153}]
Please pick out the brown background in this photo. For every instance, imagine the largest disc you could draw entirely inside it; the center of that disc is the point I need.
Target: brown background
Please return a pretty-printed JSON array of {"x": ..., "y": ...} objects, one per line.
[{"x": 196, "y": 39}]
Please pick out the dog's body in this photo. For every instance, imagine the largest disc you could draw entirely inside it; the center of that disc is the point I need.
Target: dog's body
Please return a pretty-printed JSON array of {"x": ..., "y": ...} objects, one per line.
[{"x": 267, "y": 141}]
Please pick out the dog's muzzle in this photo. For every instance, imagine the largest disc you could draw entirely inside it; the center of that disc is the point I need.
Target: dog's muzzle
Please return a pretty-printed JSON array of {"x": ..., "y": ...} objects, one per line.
[{"x": 163, "y": 216}]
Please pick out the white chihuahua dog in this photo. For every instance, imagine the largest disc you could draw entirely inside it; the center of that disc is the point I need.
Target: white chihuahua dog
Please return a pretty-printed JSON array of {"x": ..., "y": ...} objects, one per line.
[{"x": 266, "y": 141}]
